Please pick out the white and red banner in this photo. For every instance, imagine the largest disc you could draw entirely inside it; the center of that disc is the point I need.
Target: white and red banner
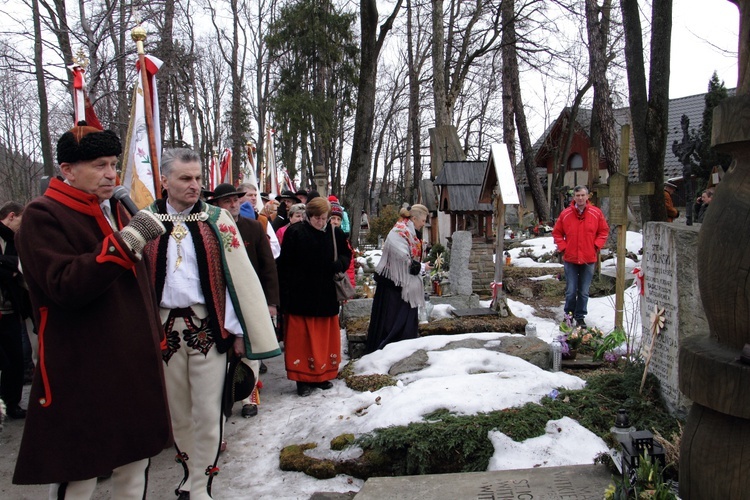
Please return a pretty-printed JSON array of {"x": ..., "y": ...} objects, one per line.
[
  {"x": 137, "y": 171},
  {"x": 82, "y": 109}
]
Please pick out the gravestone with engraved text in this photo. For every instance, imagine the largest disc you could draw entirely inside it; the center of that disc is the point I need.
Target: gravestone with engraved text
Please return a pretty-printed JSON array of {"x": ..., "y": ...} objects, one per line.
[{"x": 671, "y": 282}]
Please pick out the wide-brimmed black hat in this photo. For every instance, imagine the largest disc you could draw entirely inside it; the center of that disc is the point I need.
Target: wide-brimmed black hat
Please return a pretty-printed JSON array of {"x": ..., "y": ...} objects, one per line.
[
  {"x": 222, "y": 191},
  {"x": 301, "y": 192},
  {"x": 289, "y": 196},
  {"x": 238, "y": 385}
]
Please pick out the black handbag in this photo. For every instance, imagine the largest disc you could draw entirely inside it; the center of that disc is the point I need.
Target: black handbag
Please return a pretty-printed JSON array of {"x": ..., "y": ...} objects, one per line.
[{"x": 344, "y": 288}]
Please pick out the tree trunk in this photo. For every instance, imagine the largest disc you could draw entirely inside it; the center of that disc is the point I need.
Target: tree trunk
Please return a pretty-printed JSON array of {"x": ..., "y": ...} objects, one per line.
[
  {"x": 359, "y": 166},
  {"x": 44, "y": 136},
  {"x": 603, "y": 132},
  {"x": 166, "y": 54},
  {"x": 511, "y": 60},
  {"x": 438, "y": 65},
  {"x": 649, "y": 113},
  {"x": 416, "y": 136}
]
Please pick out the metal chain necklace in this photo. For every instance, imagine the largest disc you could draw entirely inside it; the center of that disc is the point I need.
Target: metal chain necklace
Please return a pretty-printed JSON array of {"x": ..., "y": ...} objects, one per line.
[{"x": 179, "y": 230}]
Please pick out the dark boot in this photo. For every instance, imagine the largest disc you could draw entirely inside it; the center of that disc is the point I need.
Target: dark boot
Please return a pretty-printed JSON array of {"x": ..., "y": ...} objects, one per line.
[{"x": 303, "y": 389}]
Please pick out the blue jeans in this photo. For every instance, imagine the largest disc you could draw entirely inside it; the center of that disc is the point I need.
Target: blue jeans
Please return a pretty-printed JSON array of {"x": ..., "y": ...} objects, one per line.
[{"x": 577, "y": 283}]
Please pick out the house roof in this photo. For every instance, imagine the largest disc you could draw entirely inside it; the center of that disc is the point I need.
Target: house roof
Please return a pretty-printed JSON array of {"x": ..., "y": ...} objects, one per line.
[
  {"x": 692, "y": 106},
  {"x": 462, "y": 181}
]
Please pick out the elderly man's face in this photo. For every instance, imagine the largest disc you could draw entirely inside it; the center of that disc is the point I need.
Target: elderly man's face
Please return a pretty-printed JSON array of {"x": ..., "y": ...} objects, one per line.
[
  {"x": 95, "y": 176},
  {"x": 581, "y": 197}
]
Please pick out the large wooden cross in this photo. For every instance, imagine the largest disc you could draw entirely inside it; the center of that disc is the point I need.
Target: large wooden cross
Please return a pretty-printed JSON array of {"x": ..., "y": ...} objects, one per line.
[{"x": 618, "y": 190}]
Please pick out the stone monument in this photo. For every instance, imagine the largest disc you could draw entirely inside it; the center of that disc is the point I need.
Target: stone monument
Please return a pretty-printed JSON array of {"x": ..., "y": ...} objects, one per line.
[
  {"x": 460, "y": 255},
  {"x": 670, "y": 277}
]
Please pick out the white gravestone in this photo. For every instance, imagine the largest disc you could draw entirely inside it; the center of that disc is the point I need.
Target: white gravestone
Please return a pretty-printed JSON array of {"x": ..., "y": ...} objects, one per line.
[{"x": 671, "y": 282}]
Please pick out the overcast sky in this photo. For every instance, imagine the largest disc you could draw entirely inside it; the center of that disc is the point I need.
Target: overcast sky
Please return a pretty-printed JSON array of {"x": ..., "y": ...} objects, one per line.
[{"x": 704, "y": 38}]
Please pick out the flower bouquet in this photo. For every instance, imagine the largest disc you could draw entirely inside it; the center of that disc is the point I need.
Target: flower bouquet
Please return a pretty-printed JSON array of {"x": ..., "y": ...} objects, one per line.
[{"x": 578, "y": 339}]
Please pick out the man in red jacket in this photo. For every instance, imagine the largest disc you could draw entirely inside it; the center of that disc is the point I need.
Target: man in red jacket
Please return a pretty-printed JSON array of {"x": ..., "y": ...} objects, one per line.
[{"x": 579, "y": 233}]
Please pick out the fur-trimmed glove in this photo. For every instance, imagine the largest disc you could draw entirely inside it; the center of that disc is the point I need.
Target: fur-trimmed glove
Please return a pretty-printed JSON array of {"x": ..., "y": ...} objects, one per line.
[{"x": 143, "y": 227}]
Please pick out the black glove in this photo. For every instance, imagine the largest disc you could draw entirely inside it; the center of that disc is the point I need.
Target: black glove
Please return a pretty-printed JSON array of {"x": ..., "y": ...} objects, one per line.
[
  {"x": 142, "y": 228},
  {"x": 415, "y": 268}
]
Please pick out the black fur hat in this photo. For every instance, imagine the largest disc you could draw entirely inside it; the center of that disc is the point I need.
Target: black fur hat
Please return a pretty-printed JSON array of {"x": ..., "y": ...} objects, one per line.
[{"x": 84, "y": 143}]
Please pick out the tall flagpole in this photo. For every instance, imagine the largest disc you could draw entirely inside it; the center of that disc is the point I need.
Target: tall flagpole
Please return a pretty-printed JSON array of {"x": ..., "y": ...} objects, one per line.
[{"x": 139, "y": 36}]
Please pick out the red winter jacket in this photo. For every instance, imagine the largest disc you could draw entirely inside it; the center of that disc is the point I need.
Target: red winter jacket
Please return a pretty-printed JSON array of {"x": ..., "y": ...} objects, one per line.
[{"x": 580, "y": 236}]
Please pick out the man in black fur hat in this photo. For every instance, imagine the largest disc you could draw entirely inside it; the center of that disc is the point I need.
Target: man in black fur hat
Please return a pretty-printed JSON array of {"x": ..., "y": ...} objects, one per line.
[{"x": 98, "y": 402}]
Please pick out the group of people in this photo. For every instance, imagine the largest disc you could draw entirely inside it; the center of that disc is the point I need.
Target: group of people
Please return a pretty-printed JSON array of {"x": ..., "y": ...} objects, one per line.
[
  {"x": 701, "y": 203},
  {"x": 149, "y": 311}
]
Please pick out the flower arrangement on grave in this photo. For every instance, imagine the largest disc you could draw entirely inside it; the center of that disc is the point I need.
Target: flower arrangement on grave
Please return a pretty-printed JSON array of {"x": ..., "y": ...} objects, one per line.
[{"x": 578, "y": 339}]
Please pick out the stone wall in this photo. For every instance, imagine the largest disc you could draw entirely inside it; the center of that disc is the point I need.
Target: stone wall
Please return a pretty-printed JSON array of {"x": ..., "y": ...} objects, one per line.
[{"x": 482, "y": 265}]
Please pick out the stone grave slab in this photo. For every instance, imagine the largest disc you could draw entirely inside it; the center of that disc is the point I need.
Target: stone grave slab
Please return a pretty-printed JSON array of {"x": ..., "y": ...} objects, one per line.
[
  {"x": 474, "y": 311},
  {"x": 671, "y": 281},
  {"x": 580, "y": 482}
]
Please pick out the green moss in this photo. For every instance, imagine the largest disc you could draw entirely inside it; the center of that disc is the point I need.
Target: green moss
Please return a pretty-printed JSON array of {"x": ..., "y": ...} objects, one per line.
[
  {"x": 293, "y": 458},
  {"x": 340, "y": 442},
  {"x": 364, "y": 383}
]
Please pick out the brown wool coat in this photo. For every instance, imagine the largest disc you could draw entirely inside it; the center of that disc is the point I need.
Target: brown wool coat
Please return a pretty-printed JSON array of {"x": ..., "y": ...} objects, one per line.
[
  {"x": 98, "y": 399},
  {"x": 259, "y": 250}
]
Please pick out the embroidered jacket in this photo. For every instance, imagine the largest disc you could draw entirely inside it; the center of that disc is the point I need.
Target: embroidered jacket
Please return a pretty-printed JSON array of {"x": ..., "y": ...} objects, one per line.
[{"x": 223, "y": 264}]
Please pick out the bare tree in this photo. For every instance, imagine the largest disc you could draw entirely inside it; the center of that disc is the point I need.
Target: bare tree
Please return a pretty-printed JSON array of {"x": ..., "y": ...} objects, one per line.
[
  {"x": 510, "y": 64},
  {"x": 603, "y": 131},
  {"x": 359, "y": 166},
  {"x": 649, "y": 111}
]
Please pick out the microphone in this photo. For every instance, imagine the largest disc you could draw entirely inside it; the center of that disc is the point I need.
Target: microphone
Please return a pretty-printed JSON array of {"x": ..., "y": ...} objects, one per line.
[{"x": 122, "y": 195}]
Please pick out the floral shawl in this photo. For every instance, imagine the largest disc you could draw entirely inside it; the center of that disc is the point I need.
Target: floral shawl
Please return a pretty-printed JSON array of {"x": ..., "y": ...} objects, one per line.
[{"x": 401, "y": 246}]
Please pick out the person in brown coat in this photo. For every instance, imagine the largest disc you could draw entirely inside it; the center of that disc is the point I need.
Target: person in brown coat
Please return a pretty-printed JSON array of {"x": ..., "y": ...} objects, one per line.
[
  {"x": 259, "y": 251},
  {"x": 672, "y": 212},
  {"x": 98, "y": 402}
]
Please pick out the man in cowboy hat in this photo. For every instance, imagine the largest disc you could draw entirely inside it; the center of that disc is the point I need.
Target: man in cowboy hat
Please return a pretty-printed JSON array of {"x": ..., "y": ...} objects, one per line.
[
  {"x": 97, "y": 403},
  {"x": 259, "y": 251},
  {"x": 211, "y": 303}
]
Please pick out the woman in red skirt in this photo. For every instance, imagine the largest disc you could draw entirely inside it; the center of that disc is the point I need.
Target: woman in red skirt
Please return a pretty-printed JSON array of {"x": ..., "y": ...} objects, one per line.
[{"x": 312, "y": 343}]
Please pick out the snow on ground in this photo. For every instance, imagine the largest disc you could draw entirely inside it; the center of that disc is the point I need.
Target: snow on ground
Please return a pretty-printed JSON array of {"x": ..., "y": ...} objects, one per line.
[{"x": 465, "y": 381}]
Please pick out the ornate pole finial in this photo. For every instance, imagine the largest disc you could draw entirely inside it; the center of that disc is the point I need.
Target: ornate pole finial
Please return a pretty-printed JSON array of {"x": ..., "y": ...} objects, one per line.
[
  {"x": 139, "y": 36},
  {"x": 80, "y": 59}
]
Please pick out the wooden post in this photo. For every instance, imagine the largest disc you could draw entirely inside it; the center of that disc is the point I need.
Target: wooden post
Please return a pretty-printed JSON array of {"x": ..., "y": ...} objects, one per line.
[
  {"x": 498, "y": 294},
  {"x": 623, "y": 225}
]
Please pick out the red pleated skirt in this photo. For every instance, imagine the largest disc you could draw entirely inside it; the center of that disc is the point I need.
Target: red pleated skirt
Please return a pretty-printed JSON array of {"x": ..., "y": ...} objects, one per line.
[{"x": 312, "y": 348}]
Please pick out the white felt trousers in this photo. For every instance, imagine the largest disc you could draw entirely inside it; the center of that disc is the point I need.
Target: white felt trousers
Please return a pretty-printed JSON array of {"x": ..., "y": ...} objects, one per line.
[
  {"x": 194, "y": 377},
  {"x": 128, "y": 483}
]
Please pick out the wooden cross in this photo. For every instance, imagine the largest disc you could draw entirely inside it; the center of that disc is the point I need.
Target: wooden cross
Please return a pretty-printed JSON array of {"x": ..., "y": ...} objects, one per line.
[{"x": 618, "y": 190}]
